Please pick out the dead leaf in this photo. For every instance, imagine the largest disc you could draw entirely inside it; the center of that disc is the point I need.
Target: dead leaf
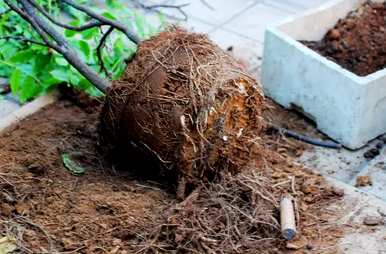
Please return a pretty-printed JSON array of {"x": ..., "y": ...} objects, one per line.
[
  {"x": 7, "y": 245},
  {"x": 22, "y": 208},
  {"x": 6, "y": 209},
  {"x": 363, "y": 181}
]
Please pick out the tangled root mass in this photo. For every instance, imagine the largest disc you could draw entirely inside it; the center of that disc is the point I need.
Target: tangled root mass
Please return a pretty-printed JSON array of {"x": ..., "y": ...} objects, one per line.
[{"x": 187, "y": 105}]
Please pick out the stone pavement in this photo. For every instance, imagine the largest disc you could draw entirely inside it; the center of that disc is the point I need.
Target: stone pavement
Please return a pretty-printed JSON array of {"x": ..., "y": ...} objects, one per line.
[
  {"x": 234, "y": 23},
  {"x": 8, "y": 103}
]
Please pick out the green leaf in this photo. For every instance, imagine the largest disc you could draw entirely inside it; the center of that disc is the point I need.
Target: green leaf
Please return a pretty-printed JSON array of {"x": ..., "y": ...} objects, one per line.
[
  {"x": 71, "y": 165},
  {"x": 85, "y": 48},
  {"x": 15, "y": 80},
  {"x": 112, "y": 4},
  {"x": 94, "y": 92},
  {"x": 61, "y": 61},
  {"x": 41, "y": 62},
  {"x": 8, "y": 49},
  {"x": 75, "y": 78},
  {"x": 90, "y": 33},
  {"x": 108, "y": 15},
  {"x": 118, "y": 46},
  {"x": 22, "y": 56},
  {"x": 139, "y": 23},
  {"x": 29, "y": 89},
  {"x": 60, "y": 74},
  {"x": 84, "y": 84},
  {"x": 49, "y": 80},
  {"x": 24, "y": 86},
  {"x": 69, "y": 33},
  {"x": 35, "y": 70}
]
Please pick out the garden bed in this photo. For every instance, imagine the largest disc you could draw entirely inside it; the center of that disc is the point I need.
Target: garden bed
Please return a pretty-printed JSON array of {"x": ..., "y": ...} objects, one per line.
[{"x": 109, "y": 210}]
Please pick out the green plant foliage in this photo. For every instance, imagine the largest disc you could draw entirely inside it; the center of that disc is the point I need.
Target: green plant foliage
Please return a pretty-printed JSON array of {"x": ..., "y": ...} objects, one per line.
[
  {"x": 72, "y": 165},
  {"x": 34, "y": 70}
]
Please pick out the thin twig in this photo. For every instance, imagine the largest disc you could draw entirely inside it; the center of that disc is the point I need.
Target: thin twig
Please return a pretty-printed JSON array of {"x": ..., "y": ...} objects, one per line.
[
  {"x": 99, "y": 50},
  {"x": 33, "y": 23},
  {"x": 23, "y": 39},
  {"x": 29, "y": 222},
  {"x": 121, "y": 27},
  {"x": 157, "y": 7},
  {"x": 91, "y": 24},
  {"x": 56, "y": 41},
  {"x": 207, "y": 5}
]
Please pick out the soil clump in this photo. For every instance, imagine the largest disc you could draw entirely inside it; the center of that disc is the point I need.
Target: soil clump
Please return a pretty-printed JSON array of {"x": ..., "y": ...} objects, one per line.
[{"x": 357, "y": 42}]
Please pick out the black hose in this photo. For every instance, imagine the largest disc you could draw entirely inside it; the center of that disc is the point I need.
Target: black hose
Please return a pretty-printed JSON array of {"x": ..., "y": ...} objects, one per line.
[{"x": 308, "y": 140}]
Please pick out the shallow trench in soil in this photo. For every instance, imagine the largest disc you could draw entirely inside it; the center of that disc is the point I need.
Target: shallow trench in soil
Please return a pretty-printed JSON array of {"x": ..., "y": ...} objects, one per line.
[{"x": 108, "y": 210}]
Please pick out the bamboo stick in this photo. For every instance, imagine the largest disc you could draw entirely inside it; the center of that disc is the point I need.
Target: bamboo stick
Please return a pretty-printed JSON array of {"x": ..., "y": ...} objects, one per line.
[{"x": 287, "y": 218}]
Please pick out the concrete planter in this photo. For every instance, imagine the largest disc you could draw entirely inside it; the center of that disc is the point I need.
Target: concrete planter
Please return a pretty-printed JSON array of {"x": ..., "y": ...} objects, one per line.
[{"x": 348, "y": 108}]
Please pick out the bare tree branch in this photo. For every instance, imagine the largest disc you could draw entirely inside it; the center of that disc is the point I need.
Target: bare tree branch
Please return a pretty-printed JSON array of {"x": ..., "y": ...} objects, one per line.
[
  {"x": 91, "y": 24},
  {"x": 29, "y": 14},
  {"x": 156, "y": 8},
  {"x": 121, "y": 27},
  {"x": 42, "y": 21},
  {"x": 99, "y": 50},
  {"x": 210, "y": 7},
  {"x": 33, "y": 24}
]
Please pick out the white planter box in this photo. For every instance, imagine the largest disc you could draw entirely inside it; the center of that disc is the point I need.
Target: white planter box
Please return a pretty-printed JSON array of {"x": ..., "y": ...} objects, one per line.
[{"x": 348, "y": 108}]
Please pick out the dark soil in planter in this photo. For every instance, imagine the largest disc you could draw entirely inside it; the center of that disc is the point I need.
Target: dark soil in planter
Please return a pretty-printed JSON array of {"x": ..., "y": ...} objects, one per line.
[{"x": 357, "y": 42}]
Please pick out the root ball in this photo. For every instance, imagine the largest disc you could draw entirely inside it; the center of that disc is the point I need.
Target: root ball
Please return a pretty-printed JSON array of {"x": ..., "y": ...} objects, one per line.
[{"x": 186, "y": 104}]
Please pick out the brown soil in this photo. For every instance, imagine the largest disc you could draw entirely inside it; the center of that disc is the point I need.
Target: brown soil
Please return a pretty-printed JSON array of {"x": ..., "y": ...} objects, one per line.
[
  {"x": 50, "y": 210},
  {"x": 189, "y": 105},
  {"x": 109, "y": 211},
  {"x": 357, "y": 41}
]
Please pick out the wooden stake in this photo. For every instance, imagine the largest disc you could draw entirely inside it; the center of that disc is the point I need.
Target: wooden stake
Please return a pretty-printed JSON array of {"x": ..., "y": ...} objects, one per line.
[{"x": 287, "y": 218}]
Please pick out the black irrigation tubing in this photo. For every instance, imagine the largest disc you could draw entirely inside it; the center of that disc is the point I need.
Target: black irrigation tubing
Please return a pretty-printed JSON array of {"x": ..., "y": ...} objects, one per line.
[{"x": 308, "y": 140}]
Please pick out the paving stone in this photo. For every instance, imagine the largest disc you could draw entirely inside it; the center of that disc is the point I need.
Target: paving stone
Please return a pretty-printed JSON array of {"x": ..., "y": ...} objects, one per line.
[
  {"x": 285, "y": 6},
  {"x": 197, "y": 25},
  {"x": 226, "y": 38},
  {"x": 218, "y": 11},
  {"x": 302, "y": 4},
  {"x": 7, "y": 107},
  {"x": 252, "y": 23}
]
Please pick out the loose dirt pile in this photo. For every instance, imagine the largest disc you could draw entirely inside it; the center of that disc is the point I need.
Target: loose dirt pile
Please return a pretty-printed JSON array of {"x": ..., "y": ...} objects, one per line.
[
  {"x": 107, "y": 210},
  {"x": 187, "y": 104},
  {"x": 357, "y": 41},
  {"x": 48, "y": 210}
]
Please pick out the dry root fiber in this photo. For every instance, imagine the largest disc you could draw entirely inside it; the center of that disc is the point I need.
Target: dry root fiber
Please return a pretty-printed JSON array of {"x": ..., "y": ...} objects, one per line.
[
  {"x": 189, "y": 105},
  {"x": 240, "y": 214}
]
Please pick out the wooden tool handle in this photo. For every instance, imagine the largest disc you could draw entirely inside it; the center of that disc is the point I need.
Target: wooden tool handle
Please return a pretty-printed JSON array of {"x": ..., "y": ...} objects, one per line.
[{"x": 287, "y": 218}]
